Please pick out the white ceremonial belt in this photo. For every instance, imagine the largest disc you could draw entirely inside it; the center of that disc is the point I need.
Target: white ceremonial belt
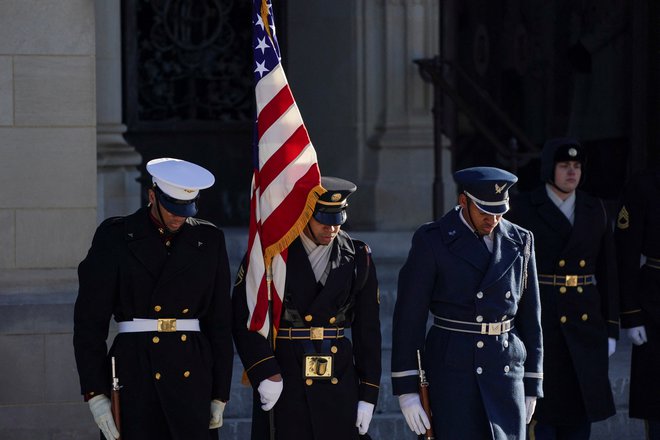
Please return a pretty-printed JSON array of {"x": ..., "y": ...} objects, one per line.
[{"x": 159, "y": 325}]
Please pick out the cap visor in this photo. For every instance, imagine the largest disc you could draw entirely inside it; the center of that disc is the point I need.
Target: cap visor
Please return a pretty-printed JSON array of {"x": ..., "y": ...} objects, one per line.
[
  {"x": 182, "y": 210},
  {"x": 330, "y": 218},
  {"x": 493, "y": 210}
]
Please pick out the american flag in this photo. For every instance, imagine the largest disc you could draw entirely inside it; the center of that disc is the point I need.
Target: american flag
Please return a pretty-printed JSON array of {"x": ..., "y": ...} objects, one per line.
[{"x": 286, "y": 181}]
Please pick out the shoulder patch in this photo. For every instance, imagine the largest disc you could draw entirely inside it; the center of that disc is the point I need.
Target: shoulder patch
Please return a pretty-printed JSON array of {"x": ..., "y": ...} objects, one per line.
[{"x": 623, "y": 220}]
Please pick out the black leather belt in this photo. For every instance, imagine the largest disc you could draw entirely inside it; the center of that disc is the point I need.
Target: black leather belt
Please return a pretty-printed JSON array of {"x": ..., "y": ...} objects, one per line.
[
  {"x": 311, "y": 333},
  {"x": 566, "y": 280},
  {"x": 481, "y": 328}
]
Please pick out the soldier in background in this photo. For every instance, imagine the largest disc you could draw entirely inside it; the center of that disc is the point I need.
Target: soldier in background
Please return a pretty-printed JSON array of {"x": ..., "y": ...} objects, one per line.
[
  {"x": 475, "y": 273},
  {"x": 638, "y": 246},
  {"x": 164, "y": 275},
  {"x": 321, "y": 385},
  {"x": 579, "y": 294}
]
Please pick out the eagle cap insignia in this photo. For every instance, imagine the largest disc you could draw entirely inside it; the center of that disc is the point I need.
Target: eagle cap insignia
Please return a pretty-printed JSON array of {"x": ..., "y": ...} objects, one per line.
[
  {"x": 189, "y": 190},
  {"x": 335, "y": 197},
  {"x": 499, "y": 189}
]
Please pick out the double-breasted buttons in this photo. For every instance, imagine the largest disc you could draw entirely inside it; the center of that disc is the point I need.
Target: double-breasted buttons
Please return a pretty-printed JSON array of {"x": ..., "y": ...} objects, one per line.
[
  {"x": 580, "y": 289},
  {"x": 332, "y": 320},
  {"x": 155, "y": 339},
  {"x": 334, "y": 381},
  {"x": 562, "y": 263},
  {"x": 585, "y": 317},
  {"x": 507, "y": 295},
  {"x": 505, "y": 344},
  {"x": 563, "y": 319},
  {"x": 168, "y": 243},
  {"x": 157, "y": 376},
  {"x": 333, "y": 349},
  {"x": 158, "y": 308},
  {"x": 480, "y": 318},
  {"x": 184, "y": 338},
  {"x": 504, "y": 318},
  {"x": 186, "y": 373},
  {"x": 308, "y": 318},
  {"x": 480, "y": 344},
  {"x": 480, "y": 295},
  {"x": 480, "y": 370},
  {"x": 184, "y": 311},
  {"x": 506, "y": 368},
  {"x": 309, "y": 382},
  {"x": 562, "y": 289},
  {"x": 582, "y": 263}
]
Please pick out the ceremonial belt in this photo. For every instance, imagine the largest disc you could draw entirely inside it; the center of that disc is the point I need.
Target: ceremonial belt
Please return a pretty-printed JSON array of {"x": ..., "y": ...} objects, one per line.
[
  {"x": 653, "y": 263},
  {"x": 311, "y": 333},
  {"x": 567, "y": 280},
  {"x": 159, "y": 325},
  {"x": 480, "y": 328}
]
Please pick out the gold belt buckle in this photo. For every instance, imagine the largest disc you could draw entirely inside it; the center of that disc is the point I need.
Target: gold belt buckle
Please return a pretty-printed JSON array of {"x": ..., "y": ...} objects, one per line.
[
  {"x": 495, "y": 328},
  {"x": 167, "y": 325},
  {"x": 316, "y": 333},
  {"x": 571, "y": 280}
]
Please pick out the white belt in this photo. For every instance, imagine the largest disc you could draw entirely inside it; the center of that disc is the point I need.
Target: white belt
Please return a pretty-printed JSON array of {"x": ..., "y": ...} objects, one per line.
[{"x": 159, "y": 325}]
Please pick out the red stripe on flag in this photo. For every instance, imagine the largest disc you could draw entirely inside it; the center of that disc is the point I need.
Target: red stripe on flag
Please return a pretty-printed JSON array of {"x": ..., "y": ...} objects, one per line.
[
  {"x": 284, "y": 156},
  {"x": 274, "y": 109}
]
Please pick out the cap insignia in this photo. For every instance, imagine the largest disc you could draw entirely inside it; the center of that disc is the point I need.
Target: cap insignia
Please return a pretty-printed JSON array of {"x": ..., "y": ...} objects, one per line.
[
  {"x": 499, "y": 189},
  {"x": 189, "y": 190},
  {"x": 335, "y": 197},
  {"x": 572, "y": 152}
]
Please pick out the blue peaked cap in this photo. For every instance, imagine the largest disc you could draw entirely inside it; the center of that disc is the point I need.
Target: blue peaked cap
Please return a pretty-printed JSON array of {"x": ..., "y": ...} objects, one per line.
[{"x": 487, "y": 187}]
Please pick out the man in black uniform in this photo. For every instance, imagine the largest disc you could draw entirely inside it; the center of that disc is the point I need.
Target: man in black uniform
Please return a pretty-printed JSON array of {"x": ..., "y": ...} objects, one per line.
[
  {"x": 579, "y": 294},
  {"x": 164, "y": 275},
  {"x": 320, "y": 385},
  {"x": 638, "y": 246}
]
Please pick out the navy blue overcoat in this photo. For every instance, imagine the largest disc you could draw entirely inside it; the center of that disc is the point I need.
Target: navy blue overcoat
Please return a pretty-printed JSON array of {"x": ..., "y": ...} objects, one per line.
[{"x": 478, "y": 382}]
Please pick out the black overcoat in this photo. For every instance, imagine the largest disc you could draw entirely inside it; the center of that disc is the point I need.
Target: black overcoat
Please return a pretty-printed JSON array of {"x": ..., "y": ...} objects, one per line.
[
  {"x": 576, "y": 320},
  {"x": 323, "y": 410},
  {"x": 638, "y": 233},
  {"x": 478, "y": 382},
  {"x": 168, "y": 379}
]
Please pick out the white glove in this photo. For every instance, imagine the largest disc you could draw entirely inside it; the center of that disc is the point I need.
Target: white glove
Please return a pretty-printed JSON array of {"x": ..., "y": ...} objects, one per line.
[
  {"x": 412, "y": 410},
  {"x": 611, "y": 346},
  {"x": 637, "y": 335},
  {"x": 217, "y": 409},
  {"x": 100, "y": 407},
  {"x": 530, "y": 406},
  {"x": 365, "y": 411},
  {"x": 269, "y": 391}
]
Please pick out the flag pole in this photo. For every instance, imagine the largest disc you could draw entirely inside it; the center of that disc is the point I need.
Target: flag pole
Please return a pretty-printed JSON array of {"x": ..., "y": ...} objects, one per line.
[{"x": 271, "y": 340}]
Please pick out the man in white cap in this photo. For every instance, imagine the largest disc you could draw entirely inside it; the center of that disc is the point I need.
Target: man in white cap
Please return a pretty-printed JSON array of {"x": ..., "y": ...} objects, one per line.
[{"x": 164, "y": 276}]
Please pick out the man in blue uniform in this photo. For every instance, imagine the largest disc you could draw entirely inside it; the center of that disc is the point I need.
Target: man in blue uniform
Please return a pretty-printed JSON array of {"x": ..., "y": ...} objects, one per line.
[
  {"x": 320, "y": 384},
  {"x": 579, "y": 294},
  {"x": 475, "y": 272},
  {"x": 164, "y": 275},
  {"x": 638, "y": 251}
]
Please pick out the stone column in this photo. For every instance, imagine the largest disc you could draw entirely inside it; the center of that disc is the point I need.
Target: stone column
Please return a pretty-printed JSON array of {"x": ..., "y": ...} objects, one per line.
[
  {"x": 404, "y": 186},
  {"x": 118, "y": 190}
]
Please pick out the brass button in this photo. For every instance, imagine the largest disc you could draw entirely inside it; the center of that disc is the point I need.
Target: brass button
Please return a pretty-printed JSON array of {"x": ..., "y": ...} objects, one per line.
[
  {"x": 157, "y": 376},
  {"x": 184, "y": 337},
  {"x": 582, "y": 263},
  {"x": 186, "y": 373},
  {"x": 156, "y": 339},
  {"x": 308, "y": 382},
  {"x": 184, "y": 311},
  {"x": 161, "y": 231},
  {"x": 562, "y": 263},
  {"x": 168, "y": 243},
  {"x": 585, "y": 317},
  {"x": 157, "y": 308},
  {"x": 562, "y": 319},
  {"x": 580, "y": 289},
  {"x": 308, "y": 318},
  {"x": 562, "y": 289},
  {"x": 334, "y": 381},
  {"x": 332, "y": 320},
  {"x": 480, "y": 344},
  {"x": 333, "y": 349}
]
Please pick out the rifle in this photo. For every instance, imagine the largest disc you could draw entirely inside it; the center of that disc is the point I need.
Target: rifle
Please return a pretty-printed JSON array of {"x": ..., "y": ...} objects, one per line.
[
  {"x": 424, "y": 397},
  {"x": 114, "y": 398}
]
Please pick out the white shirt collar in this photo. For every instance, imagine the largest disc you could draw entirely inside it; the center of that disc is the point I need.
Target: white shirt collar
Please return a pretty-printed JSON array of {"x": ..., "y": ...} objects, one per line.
[
  {"x": 567, "y": 207},
  {"x": 488, "y": 239}
]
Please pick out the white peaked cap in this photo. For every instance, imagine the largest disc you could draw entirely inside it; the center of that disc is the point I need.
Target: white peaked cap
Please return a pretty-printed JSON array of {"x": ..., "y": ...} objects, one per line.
[{"x": 178, "y": 178}]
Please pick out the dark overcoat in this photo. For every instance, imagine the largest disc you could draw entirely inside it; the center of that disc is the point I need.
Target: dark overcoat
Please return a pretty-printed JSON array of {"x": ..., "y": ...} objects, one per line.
[
  {"x": 478, "y": 383},
  {"x": 638, "y": 233},
  {"x": 324, "y": 410},
  {"x": 577, "y": 320},
  {"x": 168, "y": 379}
]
